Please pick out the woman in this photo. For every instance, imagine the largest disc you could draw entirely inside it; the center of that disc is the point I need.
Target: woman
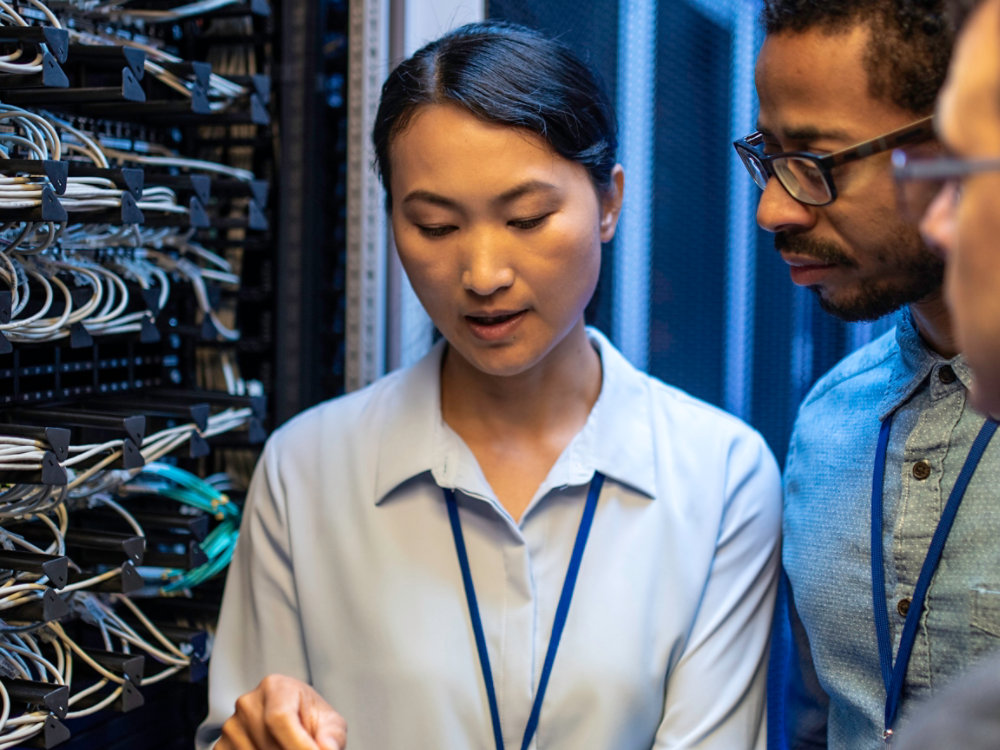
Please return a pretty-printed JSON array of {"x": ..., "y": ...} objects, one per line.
[{"x": 411, "y": 551}]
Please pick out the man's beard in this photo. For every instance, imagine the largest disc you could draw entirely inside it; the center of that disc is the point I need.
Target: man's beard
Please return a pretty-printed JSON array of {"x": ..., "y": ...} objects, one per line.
[{"x": 913, "y": 272}]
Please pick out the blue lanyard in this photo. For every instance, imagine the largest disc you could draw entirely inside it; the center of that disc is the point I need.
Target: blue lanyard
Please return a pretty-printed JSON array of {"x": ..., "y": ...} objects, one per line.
[
  {"x": 893, "y": 674},
  {"x": 562, "y": 610}
]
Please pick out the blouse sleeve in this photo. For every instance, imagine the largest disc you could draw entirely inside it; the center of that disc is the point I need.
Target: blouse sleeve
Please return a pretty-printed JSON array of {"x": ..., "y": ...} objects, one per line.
[
  {"x": 715, "y": 696},
  {"x": 259, "y": 631},
  {"x": 797, "y": 705}
]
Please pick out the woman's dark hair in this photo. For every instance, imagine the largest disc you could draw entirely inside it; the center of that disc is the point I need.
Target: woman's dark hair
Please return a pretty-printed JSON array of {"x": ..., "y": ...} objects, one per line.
[{"x": 510, "y": 75}]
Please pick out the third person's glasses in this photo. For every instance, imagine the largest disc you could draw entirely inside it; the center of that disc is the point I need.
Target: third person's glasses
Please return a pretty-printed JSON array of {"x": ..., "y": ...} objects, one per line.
[{"x": 920, "y": 179}]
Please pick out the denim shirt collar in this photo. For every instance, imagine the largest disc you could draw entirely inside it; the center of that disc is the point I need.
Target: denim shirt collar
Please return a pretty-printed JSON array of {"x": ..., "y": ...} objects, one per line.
[{"x": 918, "y": 361}]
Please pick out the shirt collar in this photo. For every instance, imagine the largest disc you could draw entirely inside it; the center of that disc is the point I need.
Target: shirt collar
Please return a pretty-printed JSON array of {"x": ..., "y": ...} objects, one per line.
[
  {"x": 413, "y": 408},
  {"x": 918, "y": 360},
  {"x": 616, "y": 439}
]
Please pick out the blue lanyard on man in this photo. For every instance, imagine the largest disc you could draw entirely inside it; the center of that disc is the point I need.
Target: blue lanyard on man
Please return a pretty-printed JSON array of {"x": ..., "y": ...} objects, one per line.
[
  {"x": 562, "y": 610},
  {"x": 893, "y": 674}
]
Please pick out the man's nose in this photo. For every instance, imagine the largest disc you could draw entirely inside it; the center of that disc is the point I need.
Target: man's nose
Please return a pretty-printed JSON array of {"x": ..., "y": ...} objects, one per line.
[{"x": 778, "y": 211}]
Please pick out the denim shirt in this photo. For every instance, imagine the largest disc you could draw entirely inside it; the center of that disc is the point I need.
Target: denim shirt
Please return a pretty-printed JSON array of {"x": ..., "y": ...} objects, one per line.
[{"x": 827, "y": 523}]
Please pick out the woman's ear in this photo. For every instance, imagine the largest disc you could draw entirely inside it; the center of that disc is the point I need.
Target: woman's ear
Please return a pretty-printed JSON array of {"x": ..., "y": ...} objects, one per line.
[{"x": 611, "y": 203}]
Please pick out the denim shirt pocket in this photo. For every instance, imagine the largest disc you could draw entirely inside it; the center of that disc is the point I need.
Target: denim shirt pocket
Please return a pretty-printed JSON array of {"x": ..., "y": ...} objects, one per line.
[{"x": 985, "y": 611}]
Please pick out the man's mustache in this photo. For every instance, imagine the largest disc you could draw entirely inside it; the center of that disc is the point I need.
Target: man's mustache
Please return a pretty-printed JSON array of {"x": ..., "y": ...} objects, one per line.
[{"x": 826, "y": 253}]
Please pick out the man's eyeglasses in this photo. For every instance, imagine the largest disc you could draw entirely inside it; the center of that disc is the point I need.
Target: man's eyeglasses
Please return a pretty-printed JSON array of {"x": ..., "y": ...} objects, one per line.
[
  {"x": 919, "y": 180},
  {"x": 807, "y": 177}
]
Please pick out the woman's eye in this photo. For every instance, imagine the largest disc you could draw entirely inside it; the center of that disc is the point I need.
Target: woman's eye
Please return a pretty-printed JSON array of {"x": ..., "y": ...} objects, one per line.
[
  {"x": 435, "y": 231},
  {"x": 528, "y": 223}
]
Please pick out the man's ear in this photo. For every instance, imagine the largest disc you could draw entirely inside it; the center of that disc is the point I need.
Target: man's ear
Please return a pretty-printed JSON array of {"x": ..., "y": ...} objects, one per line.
[{"x": 611, "y": 203}]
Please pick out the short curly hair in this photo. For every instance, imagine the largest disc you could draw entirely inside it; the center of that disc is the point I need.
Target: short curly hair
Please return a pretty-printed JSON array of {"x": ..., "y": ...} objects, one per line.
[{"x": 908, "y": 49}]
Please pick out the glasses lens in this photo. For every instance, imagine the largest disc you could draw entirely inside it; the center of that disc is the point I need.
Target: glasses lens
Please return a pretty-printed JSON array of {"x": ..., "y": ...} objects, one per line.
[
  {"x": 914, "y": 196},
  {"x": 803, "y": 180},
  {"x": 918, "y": 182},
  {"x": 754, "y": 166}
]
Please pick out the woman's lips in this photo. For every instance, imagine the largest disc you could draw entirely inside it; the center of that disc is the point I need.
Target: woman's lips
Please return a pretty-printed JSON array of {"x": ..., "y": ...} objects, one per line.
[{"x": 493, "y": 326}]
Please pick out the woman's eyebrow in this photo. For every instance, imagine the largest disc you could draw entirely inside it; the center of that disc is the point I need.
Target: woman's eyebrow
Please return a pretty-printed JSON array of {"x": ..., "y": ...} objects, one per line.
[
  {"x": 428, "y": 197},
  {"x": 508, "y": 196},
  {"x": 531, "y": 186}
]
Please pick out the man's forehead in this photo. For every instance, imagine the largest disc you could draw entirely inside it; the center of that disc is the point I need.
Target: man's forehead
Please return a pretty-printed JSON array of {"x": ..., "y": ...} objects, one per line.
[
  {"x": 804, "y": 57},
  {"x": 814, "y": 85},
  {"x": 812, "y": 72}
]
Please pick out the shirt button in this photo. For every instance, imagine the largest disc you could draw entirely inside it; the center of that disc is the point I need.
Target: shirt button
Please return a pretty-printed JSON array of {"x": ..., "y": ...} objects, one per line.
[
  {"x": 903, "y": 606},
  {"x": 921, "y": 470},
  {"x": 946, "y": 375}
]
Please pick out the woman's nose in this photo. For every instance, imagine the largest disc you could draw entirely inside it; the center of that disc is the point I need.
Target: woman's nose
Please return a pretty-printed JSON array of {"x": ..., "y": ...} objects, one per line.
[{"x": 487, "y": 267}]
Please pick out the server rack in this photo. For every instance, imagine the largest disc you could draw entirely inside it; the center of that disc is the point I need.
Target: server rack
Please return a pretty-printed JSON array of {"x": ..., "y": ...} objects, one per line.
[{"x": 166, "y": 298}]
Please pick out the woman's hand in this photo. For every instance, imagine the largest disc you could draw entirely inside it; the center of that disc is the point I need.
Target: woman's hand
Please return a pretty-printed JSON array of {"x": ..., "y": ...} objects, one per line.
[{"x": 283, "y": 713}]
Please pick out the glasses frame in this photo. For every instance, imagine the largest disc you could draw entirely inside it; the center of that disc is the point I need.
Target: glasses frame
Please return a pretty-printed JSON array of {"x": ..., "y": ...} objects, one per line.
[
  {"x": 915, "y": 132},
  {"x": 942, "y": 167}
]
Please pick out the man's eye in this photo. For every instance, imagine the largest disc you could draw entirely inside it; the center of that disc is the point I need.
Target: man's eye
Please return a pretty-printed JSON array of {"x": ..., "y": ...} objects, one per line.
[
  {"x": 528, "y": 223},
  {"x": 435, "y": 231}
]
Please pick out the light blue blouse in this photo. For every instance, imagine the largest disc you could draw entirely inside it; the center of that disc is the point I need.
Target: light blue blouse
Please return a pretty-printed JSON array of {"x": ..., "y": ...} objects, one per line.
[{"x": 346, "y": 574}]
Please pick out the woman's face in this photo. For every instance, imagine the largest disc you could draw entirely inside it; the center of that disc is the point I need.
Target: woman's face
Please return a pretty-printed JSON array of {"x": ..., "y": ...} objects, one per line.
[{"x": 499, "y": 235}]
